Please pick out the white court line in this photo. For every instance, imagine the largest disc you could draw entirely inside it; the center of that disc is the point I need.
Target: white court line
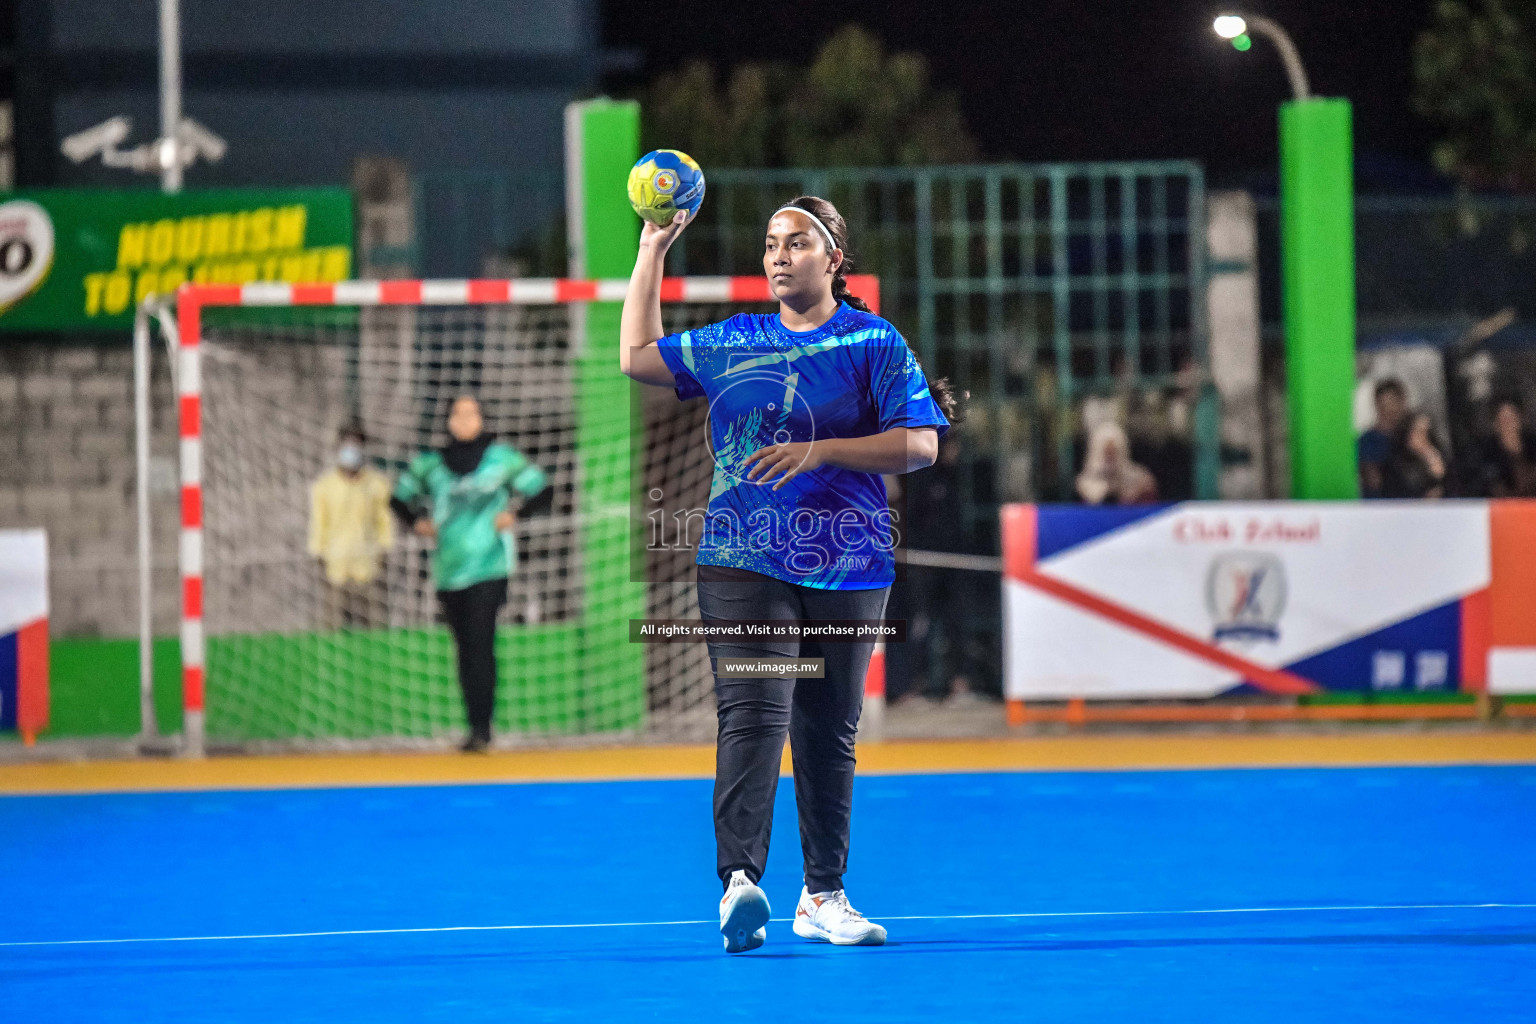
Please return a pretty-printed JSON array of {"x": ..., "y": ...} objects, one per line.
[{"x": 780, "y": 920}]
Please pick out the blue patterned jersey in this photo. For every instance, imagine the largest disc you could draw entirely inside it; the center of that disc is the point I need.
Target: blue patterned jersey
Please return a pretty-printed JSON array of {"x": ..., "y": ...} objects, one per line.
[{"x": 854, "y": 376}]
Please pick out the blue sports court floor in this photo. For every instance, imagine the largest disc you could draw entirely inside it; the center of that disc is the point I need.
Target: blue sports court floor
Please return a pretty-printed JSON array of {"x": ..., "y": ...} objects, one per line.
[{"x": 1365, "y": 894}]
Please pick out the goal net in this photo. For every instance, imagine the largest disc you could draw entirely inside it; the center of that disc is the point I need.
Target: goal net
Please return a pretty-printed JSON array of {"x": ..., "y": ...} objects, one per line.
[{"x": 274, "y": 655}]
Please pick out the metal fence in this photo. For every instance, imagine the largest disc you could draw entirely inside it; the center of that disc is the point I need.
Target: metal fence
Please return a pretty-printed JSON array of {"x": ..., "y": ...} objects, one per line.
[
  {"x": 1034, "y": 288},
  {"x": 1423, "y": 263},
  {"x": 1435, "y": 272}
]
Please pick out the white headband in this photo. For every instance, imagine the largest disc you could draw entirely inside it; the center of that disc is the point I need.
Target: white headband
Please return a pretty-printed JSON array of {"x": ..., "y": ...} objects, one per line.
[{"x": 831, "y": 243}]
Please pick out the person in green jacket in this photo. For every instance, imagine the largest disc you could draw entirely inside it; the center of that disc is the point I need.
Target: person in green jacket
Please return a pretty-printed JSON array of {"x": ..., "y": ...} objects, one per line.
[{"x": 460, "y": 497}]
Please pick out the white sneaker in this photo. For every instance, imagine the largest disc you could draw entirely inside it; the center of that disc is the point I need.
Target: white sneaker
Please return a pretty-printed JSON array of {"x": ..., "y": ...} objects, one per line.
[
  {"x": 828, "y": 917},
  {"x": 743, "y": 914}
]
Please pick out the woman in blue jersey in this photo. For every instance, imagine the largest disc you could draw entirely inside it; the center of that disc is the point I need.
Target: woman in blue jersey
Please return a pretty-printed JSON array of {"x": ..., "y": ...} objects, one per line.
[{"x": 807, "y": 409}]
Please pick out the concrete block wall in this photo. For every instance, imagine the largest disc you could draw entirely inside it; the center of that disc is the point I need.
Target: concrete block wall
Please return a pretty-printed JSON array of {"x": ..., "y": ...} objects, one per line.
[{"x": 67, "y": 465}]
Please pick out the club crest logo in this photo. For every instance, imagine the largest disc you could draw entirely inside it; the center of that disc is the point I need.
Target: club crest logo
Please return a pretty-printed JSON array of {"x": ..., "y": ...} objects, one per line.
[
  {"x": 664, "y": 182},
  {"x": 1245, "y": 593}
]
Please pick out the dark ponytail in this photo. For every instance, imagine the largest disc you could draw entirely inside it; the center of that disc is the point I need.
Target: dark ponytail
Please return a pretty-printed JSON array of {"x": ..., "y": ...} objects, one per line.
[{"x": 943, "y": 394}]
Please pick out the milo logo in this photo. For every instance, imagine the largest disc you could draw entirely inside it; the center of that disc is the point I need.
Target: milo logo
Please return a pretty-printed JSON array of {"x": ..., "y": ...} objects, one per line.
[{"x": 26, "y": 250}]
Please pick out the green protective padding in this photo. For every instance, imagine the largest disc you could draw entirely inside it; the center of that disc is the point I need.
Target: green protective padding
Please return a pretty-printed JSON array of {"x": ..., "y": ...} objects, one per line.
[
  {"x": 346, "y": 685},
  {"x": 612, "y": 671},
  {"x": 1318, "y": 264},
  {"x": 93, "y": 687},
  {"x": 351, "y": 684},
  {"x": 610, "y": 145}
]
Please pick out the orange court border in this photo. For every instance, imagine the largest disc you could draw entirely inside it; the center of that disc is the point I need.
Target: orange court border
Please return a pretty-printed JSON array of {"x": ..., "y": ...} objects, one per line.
[{"x": 1035, "y": 753}]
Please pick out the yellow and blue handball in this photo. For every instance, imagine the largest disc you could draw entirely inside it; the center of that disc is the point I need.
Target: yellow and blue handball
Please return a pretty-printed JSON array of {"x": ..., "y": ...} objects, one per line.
[{"x": 663, "y": 182}]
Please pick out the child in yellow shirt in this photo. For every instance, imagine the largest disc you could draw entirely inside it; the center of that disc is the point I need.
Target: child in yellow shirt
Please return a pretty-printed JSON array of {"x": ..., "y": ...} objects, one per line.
[{"x": 350, "y": 529}]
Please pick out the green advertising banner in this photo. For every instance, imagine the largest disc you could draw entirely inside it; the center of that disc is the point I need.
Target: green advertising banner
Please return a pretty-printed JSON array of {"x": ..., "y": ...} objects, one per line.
[{"x": 73, "y": 259}]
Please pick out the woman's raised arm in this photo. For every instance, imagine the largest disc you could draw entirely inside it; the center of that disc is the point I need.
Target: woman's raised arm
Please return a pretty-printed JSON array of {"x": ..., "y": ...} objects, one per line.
[{"x": 640, "y": 327}]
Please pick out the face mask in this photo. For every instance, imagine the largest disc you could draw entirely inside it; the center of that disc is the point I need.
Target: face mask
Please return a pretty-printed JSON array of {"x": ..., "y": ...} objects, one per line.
[{"x": 349, "y": 457}]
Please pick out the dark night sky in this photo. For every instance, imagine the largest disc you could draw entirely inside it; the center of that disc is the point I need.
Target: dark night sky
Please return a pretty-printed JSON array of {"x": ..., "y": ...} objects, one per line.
[{"x": 1091, "y": 80}]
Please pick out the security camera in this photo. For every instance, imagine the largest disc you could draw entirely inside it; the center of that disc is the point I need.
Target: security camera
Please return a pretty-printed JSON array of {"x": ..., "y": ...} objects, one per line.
[
  {"x": 198, "y": 139},
  {"x": 81, "y": 146},
  {"x": 189, "y": 142}
]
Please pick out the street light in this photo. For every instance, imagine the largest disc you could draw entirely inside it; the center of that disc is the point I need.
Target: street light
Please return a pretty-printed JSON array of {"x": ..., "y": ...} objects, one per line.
[
  {"x": 1317, "y": 256},
  {"x": 1230, "y": 26},
  {"x": 1236, "y": 28}
]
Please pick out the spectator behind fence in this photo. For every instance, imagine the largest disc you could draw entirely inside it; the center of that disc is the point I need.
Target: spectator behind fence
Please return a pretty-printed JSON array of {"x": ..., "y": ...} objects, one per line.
[
  {"x": 1415, "y": 465},
  {"x": 1374, "y": 447},
  {"x": 350, "y": 529},
  {"x": 1509, "y": 456},
  {"x": 1109, "y": 477},
  {"x": 941, "y": 657}
]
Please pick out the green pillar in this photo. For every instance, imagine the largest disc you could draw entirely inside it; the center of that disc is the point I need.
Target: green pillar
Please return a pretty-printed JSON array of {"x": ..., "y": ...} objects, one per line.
[
  {"x": 602, "y": 139},
  {"x": 1317, "y": 232}
]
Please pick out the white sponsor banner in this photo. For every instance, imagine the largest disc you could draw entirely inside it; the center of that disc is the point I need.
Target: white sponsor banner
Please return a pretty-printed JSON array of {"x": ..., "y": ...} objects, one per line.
[
  {"x": 23, "y": 578},
  {"x": 1512, "y": 670},
  {"x": 1195, "y": 598}
]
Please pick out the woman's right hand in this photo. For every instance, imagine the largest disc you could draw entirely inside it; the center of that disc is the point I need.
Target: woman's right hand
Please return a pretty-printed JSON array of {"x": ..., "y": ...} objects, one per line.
[
  {"x": 426, "y": 528},
  {"x": 640, "y": 325},
  {"x": 658, "y": 238}
]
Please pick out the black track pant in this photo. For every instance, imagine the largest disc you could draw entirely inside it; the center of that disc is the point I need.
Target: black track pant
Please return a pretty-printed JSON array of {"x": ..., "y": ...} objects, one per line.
[
  {"x": 820, "y": 717},
  {"x": 471, "y": 615}
]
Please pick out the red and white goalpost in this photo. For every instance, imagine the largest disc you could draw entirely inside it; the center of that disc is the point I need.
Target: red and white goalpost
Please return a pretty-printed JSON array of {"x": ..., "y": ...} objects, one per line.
[{"x": 706, "y": 296}]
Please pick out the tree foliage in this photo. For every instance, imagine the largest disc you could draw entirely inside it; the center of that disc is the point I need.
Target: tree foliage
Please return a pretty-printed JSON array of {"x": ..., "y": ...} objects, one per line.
[
  {"x": 1475, "y": 76},
  {"x": 855, "y": 105}
]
